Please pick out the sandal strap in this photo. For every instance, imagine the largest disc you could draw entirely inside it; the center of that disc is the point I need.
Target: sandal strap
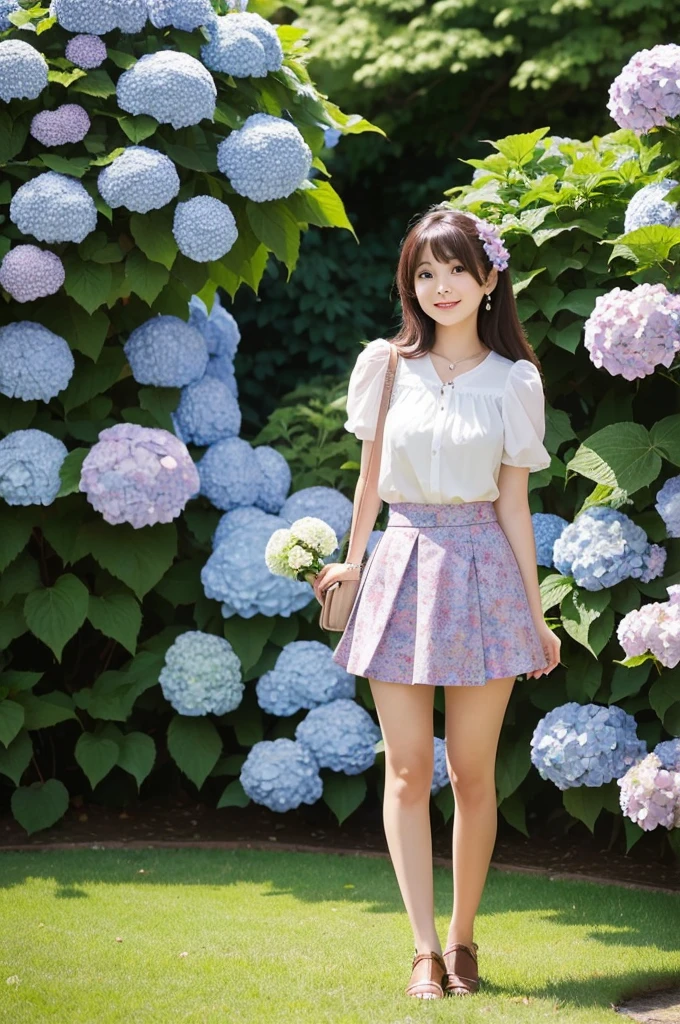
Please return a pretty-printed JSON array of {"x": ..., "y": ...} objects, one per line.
[{"x": 471, "y": 950}]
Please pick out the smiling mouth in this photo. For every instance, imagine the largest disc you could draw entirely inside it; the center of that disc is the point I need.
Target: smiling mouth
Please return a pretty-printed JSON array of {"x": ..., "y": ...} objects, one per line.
[{"x": 446, "y": 305}]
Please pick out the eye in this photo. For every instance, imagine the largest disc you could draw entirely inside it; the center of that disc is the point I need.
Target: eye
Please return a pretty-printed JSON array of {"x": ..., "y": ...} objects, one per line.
[{"x": 423, "y": 272}]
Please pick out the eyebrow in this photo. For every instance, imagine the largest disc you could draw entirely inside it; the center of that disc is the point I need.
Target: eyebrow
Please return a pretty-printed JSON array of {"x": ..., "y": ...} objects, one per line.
[{"x": 427, "y": 262}]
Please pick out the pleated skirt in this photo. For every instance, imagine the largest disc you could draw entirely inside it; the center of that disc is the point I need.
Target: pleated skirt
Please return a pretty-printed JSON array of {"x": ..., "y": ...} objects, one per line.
[{"x": 441, "y": 601}]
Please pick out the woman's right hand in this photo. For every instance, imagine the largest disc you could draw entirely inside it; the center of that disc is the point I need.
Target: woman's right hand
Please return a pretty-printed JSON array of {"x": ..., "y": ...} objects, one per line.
[{"x": 332, "y": 573}]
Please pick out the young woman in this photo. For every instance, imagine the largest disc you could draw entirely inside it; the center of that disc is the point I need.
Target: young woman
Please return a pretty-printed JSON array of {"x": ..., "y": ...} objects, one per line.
[{"x": 449, "y": 596}]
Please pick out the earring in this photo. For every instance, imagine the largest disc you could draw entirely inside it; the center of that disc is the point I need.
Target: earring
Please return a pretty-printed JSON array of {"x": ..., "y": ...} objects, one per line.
[{"x": 488, "y": 304}]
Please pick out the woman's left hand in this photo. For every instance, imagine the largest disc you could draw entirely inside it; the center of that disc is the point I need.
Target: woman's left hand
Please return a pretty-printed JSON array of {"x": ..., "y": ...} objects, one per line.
[{"x": 551, "y": 645}]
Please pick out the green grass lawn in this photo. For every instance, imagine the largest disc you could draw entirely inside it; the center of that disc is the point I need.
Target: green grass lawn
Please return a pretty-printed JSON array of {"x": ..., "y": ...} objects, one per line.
[{"x": 253, "y": 937}]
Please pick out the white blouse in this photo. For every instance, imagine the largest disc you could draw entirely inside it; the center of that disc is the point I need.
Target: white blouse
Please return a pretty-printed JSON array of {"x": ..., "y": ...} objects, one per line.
[{"x": 444, "y": 443}]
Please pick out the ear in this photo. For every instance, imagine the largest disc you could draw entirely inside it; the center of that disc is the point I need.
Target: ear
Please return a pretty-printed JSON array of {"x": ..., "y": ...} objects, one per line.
[{"x": 492, "y": 279}]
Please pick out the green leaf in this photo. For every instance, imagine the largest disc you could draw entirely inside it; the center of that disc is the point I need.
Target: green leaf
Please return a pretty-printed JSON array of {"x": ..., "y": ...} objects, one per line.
[
  {"x": 153, "y": 234},
  {"x": 343, "y": 794},
  {"x": 46, "y": 710},
  {"x": 88, "y": 283},
  {"x": 580, "y": 610},
  {"x": 65, "y": 78},
  {"x": 248, "y": 637},
  {"x": 514, "y": 811},
  {"x": 195, "y": 745},
  {"x": 20, "y": 577},
  {"x": 17, "y": 681},
  {"x": 620, "y": 455},
  {"x": 650, "y": 244},
  {"x": 633, "y": 832},
  {"x": 16, "y": 758},
  {"x": 322, "y": 206},
  {"x": 85, "y": 332},
  {"x": 160, "y": 402},
  {"x": 140, "y": 558},
  {"x": 89, "y": 380},
  {"x": 39, "y": 805},
  {"x": 13, "y": 135},
  {"x": 137, "y": 755},
  {"x": 585, "y": 803},
  {"x": 118, "y": 616},
  {"x": 76, "y": 166},
  {"x": 581, "y": 301},
  {"x": 96, "y": 755},
  {"x": 202, "y": 157},
  {"x": 276, "y": 227},
  {"x": 664, "y": 692},
  {"x": 145, "y": 278},
  {"x": 139, "y": 127},
  {"x": 121, "y": 60},
  {"x": 11, "y": 721},
  {"x": 519, "y": 149},
  {"x": 12, "y": 622},
  {"x": 96, "y": 83},
  {"x": 521, "y": 279},
  {"x": 56, "y": 613},
  {"x": 512, "y": 765},
  {"x": 182, "y": 583},
  {"x": 626, "y": 682},
  {"x": 70, "y": 472},
  {"x": 234, "y": 795},
  {"x": 554, "y": 589}
]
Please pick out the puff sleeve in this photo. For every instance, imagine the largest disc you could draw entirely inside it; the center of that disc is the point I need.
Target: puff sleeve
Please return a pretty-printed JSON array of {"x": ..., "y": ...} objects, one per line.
[
  {"x": 365, "y": 389},
  {"x": 524, "y": 418}
]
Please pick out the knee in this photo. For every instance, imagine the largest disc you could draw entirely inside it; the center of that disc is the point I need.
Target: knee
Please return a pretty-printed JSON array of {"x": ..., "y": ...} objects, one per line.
[
  {"x": 410, "y": 780},
  {"x": 471, "y": 783}
]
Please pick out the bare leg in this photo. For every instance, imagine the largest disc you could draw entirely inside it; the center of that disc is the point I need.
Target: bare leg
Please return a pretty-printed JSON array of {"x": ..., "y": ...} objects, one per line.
[
  {"x": 474, "y": 716},
  {"x": 405, "y": 714}
]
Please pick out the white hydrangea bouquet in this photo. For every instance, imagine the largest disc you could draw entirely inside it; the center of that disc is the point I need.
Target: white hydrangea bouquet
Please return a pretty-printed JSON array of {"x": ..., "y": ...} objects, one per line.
[{"x": 298, "y": 551}]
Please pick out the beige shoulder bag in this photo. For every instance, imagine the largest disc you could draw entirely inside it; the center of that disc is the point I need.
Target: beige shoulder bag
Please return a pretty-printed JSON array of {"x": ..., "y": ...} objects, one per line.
[{"x": 339, "y": 598}]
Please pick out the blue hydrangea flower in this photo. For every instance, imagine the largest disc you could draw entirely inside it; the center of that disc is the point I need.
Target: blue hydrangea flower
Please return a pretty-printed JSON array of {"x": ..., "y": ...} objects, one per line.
[
  {"x": 173, "y": 87},
  {"x": 281, "y": 774},
  {"x": 207, "y": 412},
  {"x": 140, "y": 179},
  {"x": 323, "y": 502},
  {"x": 138, "y": 475},
  {"x": 23, "y": 71},
  {"x": 304, "y": 676},
  {"x": 166, "y": 352},
  {"x": 265, "y": 159},
  {"x": 667, "y": 501},
  {"x": 186, "y": 15},
  {"x": 277, "y": 476},
  {"x": 30, "y": 462},
  {"x": 236, "y": 574},
  {"x": 201, "y": 675},
  {"x": 34, "y": 362},
  {"x": 585, "y": 745},
  {"x": 53, "y": 208},
  {"x": 7, "y": 7},
  {"x": 230, "y": 474},
  {"x": 341, "y": 736},
  {"x": 668, "y": 753},
  {"x": 29, "y": 273},
  {"x": 649, "y": 207},
  {"x": 68, "y": 123},
  {"x": 233, "y": 51},
  {"x": 204, "y": 228},
  {"x": 603, "y": 546},
  {"x": 264, "y": 32},
  {"x": 101, "y": 16},
  {"x": 218, "y": 327},
  {"x": 440, "y": 774},
  {"x": 86, "y": 51},
  {"x": 235, "y": 520},
  {"x": 547, "y": 528}
]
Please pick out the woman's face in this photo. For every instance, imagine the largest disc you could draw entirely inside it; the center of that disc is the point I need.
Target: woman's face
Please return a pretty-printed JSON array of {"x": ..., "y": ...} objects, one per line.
[{"x": 448, "y": 292}]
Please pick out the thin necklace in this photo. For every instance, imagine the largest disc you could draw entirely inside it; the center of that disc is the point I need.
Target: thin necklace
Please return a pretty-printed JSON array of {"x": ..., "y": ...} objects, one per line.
[{"x": 453, "y": 365}]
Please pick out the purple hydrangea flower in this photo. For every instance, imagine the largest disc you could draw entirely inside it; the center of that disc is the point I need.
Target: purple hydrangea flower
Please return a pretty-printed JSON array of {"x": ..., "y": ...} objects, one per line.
[
  {"x": 230, "y": 474},
  {"x": 646, "y": 93},
  {"x": 53, "y": 208},
  {"x": 281, "y": 774},
  {"x": 630, "y": 333},
  {"x": 173, "y": 87},
  {"x": 138, "y": 475},
  {"x": 341, "y": 735},
  {"x": 653, "y": 627},
  {"x": 585, "y": 745},
  {"x": 140, "y": 179},
  {"x": 207, "y": 412},
  {"x": 603, "y": 546},
  {"x": 649, "y": 207},
  {"x": 667, "y": 502},
  {"x": 30, "y": 463},
  {"x": 492, "y": 244},
  {"x": 68, "y": 123},
  {"x": 166, "y": 352},
  {"x": 265, "y": 159},
  {"x": 304, "y": 676},
  {"x": 204, "y": 228},
  {"x": 29, "y": 273},
  {"x": 201, "y": 675},
  {"x": 547, "y": 528},
  {"x": 35, "y": 363},
  {"x": 23, "y": 71},
  {"x": 277, "y": 475},
  {"x": 86, "y": 51},
  {"x": 650, "y": 794}
]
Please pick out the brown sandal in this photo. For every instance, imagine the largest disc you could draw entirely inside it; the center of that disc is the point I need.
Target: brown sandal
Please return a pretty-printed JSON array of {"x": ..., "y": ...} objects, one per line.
[
  {"x": 428, "y": 971},
  {"x": 462, "y": 977}
]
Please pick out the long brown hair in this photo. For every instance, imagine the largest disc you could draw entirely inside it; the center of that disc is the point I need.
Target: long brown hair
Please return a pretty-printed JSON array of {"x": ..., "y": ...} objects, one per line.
[{"x": 453, "y": 235}]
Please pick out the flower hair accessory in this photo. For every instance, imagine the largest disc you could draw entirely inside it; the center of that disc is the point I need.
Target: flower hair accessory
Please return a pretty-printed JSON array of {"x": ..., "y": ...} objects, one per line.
[{"x": 493, "y": 246}]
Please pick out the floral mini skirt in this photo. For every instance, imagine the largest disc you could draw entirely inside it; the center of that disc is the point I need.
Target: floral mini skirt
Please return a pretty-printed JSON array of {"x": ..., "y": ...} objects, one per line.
[{"x": 441, "y": 601}]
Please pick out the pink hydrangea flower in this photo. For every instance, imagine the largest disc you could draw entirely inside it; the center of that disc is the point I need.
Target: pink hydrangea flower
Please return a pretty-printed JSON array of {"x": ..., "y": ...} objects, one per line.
[
  {"x": 650, "y": 794},
  {"x": 647, "y": 91},
  {"x": 654, "y": 627},
  {"x": 68, "y": 123},
  {"x": 630, "y": 333}
]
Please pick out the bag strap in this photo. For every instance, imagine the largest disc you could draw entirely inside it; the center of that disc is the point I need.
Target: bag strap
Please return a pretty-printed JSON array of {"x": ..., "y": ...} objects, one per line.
[{"x": 373, "y": 472}]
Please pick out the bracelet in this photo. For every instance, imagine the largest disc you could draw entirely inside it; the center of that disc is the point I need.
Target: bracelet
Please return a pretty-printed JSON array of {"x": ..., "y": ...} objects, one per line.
[{"x": 352, "y": 565}]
